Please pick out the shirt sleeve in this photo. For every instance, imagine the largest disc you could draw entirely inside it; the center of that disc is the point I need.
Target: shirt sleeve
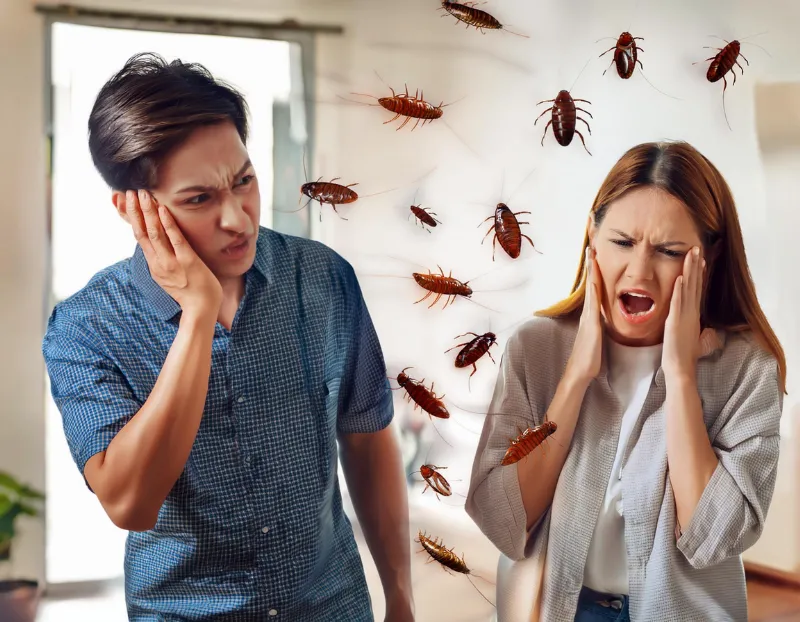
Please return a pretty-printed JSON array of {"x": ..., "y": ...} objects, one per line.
[
  {"x": 494, "y": 500},
  {"x": 730, "y": 516},
  {"x": 366, "y": 403},
  {"x": 91, "y": 393}
]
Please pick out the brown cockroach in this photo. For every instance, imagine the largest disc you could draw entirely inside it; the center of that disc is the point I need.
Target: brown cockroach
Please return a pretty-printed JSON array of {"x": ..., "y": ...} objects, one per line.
[
  {"x": 723, "y": 62},
  {"x": 447, "y": 559},
  {"x": 480, "y": 20},
  {"x": 526, "y": 442},
  {"x": 329, "y": 192},
  {"x": 506, "y": 229},
  {"x": 474, "y": 350},
  {"x": 425, "y": 216},
  {"x": 435, "y": 480},
  {"x": 625, "y": 55},
  {"x": 564, "y": 119},
  {"x": 409, "y": 106},
  {"x": 442, "y": 285},
  {"x": 423, "y": 397}
]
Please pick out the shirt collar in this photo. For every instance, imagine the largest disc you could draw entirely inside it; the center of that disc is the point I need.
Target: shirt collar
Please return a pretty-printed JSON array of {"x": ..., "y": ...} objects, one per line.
[{"x": 164, "y": 305}]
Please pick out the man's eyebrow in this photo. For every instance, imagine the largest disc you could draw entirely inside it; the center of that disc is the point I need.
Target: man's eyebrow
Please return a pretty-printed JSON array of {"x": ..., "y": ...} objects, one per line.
[{"x": 207, "y": 188}]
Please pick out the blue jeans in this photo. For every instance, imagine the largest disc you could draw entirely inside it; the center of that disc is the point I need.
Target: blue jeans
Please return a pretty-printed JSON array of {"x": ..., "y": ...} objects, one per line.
[{"x": 596, "y": 607}]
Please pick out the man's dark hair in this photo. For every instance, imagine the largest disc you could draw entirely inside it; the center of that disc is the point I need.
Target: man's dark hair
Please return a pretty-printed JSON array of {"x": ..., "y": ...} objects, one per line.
[{"x": 149, "y": 108}]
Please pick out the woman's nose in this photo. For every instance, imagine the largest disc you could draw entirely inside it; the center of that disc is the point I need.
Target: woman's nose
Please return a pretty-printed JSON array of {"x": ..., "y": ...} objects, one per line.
[{"x": 640, "y": 265}]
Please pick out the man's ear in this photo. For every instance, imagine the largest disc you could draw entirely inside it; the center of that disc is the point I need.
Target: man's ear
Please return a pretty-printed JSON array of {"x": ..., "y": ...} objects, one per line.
[{"x": 118, "y": 199}]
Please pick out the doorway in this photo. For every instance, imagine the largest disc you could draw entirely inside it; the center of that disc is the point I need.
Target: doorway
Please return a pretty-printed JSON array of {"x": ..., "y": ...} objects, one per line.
[{"x": 87, "y": 235}]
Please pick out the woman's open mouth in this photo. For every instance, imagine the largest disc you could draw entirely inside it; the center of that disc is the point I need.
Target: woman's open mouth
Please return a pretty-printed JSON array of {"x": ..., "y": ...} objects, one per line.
[{"x": 636, "y": 306}]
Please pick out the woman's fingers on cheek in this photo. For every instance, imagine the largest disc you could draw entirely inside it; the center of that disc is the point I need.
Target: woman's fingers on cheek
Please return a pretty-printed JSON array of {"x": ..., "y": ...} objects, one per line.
[
  {"x": 677, "y": 290},
  {"x": 701, "y": 279}
]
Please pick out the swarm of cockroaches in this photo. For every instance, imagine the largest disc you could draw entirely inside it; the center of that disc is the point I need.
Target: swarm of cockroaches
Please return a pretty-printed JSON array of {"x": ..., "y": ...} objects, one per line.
[{"x": 565, "y": 114}]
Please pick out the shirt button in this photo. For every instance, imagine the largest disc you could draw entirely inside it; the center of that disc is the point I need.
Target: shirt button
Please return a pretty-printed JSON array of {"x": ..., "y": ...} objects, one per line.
[
  {"x": 247, "y": 459},
  {"x": 265, "y": 529},
  {"x": 273, "y": 612},
  {"x": 240, "y": 400}
]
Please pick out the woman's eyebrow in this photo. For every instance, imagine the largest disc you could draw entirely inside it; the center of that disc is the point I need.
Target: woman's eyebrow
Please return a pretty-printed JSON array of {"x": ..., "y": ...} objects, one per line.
[
  {"x": 208, "y": 188},
  {"x": 668, "y": 243}
]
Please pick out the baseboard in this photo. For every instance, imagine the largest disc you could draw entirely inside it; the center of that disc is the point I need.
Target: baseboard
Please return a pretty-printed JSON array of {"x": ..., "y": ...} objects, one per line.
[{"x": 765, "y": 574}]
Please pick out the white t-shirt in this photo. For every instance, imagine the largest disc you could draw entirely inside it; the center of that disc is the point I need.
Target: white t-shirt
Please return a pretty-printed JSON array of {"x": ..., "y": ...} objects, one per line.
[{"x": 630, "y": 373}]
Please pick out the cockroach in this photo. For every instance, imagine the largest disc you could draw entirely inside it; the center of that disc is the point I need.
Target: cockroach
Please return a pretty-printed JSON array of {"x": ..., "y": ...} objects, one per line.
[
  {"x": 442, "y": 285},
  {"x": 447, "y": 559},
  {"x": 474, "y": 350},
  {"x": 435, "y": 480},
  {"x": 625, "y": 55},
  {"x": 526, "y": 442},
  {"x": 329, "y": 192},
  {"x": 564, "y": 119},
  {"x": 723, "y": 62},
  {"x": 425, "y": 216},
  {"x": 409, "y": 106},
  {"x": 506, "y": 229},
  {"x": 423, "y": 397},
  {"x": 466, "y": 13}
]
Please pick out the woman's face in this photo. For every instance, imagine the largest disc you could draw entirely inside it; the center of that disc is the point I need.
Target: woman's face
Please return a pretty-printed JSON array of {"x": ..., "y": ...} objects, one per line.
[
  {"x": 640, "y": 246},
  {"x": 209, "y": 186}
]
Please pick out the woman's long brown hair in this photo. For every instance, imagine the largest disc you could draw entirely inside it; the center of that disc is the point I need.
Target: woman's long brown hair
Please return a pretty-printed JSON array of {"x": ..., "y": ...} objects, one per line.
[{"x": 730, "y": 301}]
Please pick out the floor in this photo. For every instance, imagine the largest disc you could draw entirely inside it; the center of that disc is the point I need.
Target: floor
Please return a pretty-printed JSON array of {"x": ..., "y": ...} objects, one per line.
[
  {"x": 772, "y": 603},
  {"x": 438, "y": 595},
  {"x": 767, "y": 604}
]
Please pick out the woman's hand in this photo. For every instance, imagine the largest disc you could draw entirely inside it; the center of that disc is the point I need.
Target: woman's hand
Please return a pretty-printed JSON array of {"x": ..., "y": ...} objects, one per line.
[
  {"x": 682, "y": 329},
  {"x": 586, "y": 357}
]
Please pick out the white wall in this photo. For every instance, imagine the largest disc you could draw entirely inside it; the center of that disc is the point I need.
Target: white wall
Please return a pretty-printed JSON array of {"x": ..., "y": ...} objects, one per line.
[
  {"x": 500, "y": 78},
  {"x": 22, "y": 263}
]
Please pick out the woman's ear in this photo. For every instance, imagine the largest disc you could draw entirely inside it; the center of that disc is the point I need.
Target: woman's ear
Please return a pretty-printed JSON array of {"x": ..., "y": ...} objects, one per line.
[
  {"x": 713, "y": 251},
  {"x": 591, "y": 230}
]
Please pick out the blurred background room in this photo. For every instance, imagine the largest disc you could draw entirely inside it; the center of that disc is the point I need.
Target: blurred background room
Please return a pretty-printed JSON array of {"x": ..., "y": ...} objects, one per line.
[{"x": 298, "y": 63}]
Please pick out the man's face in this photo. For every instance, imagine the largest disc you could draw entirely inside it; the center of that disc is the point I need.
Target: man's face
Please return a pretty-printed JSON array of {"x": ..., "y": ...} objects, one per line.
[{"x": 209, "y": 186}]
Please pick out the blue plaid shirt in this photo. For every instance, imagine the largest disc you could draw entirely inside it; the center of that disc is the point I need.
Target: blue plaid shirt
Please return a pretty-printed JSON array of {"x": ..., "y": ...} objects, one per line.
[{"x": 253, "y": 529}]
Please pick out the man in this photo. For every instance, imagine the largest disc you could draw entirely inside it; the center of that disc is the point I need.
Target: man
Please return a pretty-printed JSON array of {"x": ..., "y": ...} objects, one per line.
[{"x": 204, "y": 381}]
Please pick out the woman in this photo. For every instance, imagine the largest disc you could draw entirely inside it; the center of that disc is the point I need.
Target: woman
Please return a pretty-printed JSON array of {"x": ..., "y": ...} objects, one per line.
[{"x": 666, "y": 384}]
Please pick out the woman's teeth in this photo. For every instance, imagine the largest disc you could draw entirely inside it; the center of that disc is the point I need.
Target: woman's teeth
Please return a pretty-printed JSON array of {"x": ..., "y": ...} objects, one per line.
[{"x": 637, "y": 304}]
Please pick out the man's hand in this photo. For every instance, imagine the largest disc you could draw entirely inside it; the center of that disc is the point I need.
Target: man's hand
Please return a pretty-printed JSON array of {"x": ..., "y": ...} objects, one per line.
[{"x": 172, "y": 261}]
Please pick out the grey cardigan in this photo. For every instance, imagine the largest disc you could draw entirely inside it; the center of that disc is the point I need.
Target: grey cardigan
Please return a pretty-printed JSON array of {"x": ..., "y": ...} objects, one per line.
[{"x": 689, "y": 575}]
